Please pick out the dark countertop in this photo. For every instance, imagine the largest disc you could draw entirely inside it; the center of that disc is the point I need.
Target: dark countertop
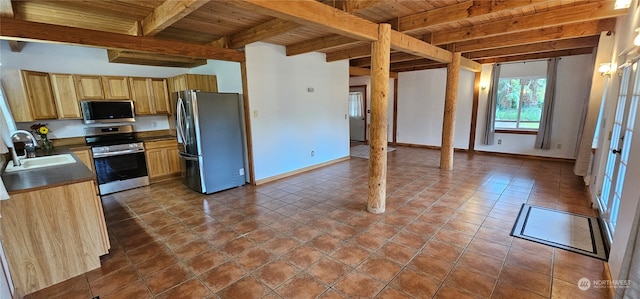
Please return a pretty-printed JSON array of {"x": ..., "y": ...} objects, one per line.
[
  {"x": 158, "y": 138},
  {"x": 47, "y": 177}
]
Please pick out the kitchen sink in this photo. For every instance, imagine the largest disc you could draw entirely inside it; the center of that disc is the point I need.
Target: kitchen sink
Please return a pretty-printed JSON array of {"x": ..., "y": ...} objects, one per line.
[{"x": 40, "y": 162}]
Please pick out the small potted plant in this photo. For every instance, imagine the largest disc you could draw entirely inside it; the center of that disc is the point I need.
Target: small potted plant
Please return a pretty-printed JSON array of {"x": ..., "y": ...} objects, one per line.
[{"x": 43, "y": 130}]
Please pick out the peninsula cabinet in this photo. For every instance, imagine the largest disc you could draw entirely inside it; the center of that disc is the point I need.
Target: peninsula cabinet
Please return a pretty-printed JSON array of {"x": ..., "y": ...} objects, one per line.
[
  {"x": 149, "y": 95},
  {"x": 29, "y": 95},
  {"x": 53, "y": 234},
  {"x": 66, "y": 97},
  {"x": 85, "y": 156},
  {"x": 162, "y": 159}
]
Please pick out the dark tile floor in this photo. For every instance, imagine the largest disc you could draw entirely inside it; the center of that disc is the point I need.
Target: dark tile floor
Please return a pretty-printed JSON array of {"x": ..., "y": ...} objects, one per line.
[{"x": 443, "y": 235}]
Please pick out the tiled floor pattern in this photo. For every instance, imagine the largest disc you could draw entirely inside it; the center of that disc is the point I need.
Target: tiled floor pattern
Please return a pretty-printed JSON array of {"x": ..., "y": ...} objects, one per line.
[{"x": 443, "y": 235}]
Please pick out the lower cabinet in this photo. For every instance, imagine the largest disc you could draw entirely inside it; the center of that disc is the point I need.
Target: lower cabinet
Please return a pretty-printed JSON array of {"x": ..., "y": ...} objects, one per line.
[
  {"x": 162, "y": 159},
  {"x": 84, "y": 155},
  {"x": 53, "y": 234}
]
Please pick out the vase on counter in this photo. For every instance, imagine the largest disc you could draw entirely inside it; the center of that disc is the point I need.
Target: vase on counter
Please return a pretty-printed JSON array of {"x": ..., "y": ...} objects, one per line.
[{"x": 46, "y": 144}]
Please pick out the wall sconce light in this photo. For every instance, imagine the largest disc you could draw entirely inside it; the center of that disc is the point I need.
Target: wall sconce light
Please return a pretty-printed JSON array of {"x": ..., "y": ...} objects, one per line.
[
  {"x": 636, "y": 41},
  {"x": 605, "y": 69}
]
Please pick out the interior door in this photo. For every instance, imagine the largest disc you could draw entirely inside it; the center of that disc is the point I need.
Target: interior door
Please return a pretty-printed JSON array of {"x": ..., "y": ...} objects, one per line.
[
  {"x": 357, "y": 112},
  {"x": 618, "y": 155}
]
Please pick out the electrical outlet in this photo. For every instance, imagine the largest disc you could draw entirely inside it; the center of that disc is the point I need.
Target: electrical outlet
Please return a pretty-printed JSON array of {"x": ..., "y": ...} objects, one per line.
[
  {"x": 559, "y": 146},
  {"x": 309, "y": 89},
  {"x": 499, "y": 141},
  {"x": 255, "y": 113},
  {"x": 313, "y": 153}
]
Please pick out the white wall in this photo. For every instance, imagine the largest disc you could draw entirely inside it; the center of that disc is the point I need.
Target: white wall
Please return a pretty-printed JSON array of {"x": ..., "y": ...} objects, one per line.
[
  {"x": 56, "y": 58},
  {"x": 366, "y": 80},
  {"x": 288, "y": 122},
  {"x": 421, "y": 107},
  {"x": 572, "y": 90}
]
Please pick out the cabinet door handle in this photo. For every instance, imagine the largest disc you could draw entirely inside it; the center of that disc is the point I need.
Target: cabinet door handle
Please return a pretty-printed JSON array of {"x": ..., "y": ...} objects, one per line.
[{"x": 616, "y": 151}]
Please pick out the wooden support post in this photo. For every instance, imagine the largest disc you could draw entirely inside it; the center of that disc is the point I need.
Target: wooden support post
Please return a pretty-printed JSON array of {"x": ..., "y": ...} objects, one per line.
[
  {"x": 449, "y": 119},
  {"x": 395, "y": 112},
  {"x": 380, "y": 55}
]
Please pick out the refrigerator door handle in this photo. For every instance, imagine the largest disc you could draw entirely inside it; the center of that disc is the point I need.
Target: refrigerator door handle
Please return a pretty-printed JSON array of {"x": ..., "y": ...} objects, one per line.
[
  {"x": 180, "y": 111},
  {"x": 188, "y": 157}
]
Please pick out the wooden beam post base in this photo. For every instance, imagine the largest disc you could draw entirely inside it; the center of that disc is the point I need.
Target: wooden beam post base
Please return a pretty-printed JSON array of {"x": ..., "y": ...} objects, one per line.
[{"x": 381, "y": 51}]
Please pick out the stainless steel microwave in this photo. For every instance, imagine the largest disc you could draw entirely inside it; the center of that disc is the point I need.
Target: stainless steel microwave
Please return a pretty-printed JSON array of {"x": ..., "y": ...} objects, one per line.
[{"x": 107, "y": 112}]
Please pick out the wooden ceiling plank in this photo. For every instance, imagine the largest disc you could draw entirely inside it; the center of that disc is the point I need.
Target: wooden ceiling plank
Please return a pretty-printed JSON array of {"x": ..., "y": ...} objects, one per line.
[
  {"x": 566, "y": 31},
  {"x": 565, "y": 15},
  {"x": 580, "y": 51},
  {"x": 352, "y": 6},
  {"x": 6, "y": 9},
  {"x": 317, "y": 44},
  {"x": 313, "y": 13},
  {"x": 565, "y": 44},
  {"x": 14, "y": 29},
  {"x": 446, "y": 14},
  {"x": 167, "y": 13},
  {"x": 420, "y": 67},
  {"x": 261, "y": 32},
  {"x": 358, "y": 52},
  {"x": 316, "y": 14},
  {"x": 412, "y": 45},
  {"x": 457, "y": 12}
]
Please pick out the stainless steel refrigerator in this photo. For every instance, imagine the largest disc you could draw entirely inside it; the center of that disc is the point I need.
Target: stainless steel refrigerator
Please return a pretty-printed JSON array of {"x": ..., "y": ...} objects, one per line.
[{"x": 210, "y": 140}]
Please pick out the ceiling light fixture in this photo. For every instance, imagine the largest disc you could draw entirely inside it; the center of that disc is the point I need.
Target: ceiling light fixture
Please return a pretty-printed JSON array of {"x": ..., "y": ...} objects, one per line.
[
  {"x": 622, "y": 4},
  {"x": 605, "y": 69}
]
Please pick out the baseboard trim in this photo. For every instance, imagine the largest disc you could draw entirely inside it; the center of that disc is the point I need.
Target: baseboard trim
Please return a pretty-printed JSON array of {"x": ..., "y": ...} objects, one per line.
[{"x": 299, "y": 171}]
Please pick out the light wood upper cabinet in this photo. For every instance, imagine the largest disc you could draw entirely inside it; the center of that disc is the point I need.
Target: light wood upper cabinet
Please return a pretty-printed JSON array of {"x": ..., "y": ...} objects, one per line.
[
  {"x": 205, "y": 83},
  {"x": 29, "y": 95},
  {"x": 65, "y": 95},
  {"x": 160, "y": 95},
  {"x": 116, "y": 88},
  {"x": 141, "y": 95},
  {"x": 208, "y": 83},
  {"x": 89, "y": 87},
  {"x": 149, "y": 95}
]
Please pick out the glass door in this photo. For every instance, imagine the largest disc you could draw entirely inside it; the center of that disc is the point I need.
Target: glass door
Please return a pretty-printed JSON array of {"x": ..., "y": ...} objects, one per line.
[
  {"x": 357, "y": 115},
  {"x": 618, "y": 154}
]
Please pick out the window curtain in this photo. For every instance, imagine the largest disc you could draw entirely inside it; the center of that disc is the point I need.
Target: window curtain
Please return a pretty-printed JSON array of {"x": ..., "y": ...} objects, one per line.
[
  {"x": 543, "y": 139},
  {"x": 355, "y": 105},
  {"x": 490, "y": 124}
]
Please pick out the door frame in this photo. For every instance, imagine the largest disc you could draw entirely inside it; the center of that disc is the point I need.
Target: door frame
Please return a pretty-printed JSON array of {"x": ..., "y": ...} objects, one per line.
[{"x": 364, "y": 107}]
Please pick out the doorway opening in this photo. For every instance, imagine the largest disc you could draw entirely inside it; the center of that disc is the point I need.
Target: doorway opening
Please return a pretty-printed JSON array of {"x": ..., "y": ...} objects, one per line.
[{"x": 358, "y": 113}]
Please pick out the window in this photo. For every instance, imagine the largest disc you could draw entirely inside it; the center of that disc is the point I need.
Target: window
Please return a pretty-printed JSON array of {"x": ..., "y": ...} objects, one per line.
[
  {"x": 355, "y": 104},
  {"x": 519, "y": 103}
]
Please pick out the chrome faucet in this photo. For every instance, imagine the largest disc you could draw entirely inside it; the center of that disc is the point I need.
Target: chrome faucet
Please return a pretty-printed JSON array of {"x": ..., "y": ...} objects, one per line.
[{"x": 29, "y": 145}]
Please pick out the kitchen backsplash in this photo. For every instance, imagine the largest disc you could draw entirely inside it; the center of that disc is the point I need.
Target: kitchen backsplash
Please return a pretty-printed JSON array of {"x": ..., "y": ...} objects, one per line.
[{"x": 75, "y": 128}]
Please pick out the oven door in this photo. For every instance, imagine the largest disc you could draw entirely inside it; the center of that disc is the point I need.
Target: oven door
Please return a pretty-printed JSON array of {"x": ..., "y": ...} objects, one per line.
[{"x": 121, "y": 171}]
